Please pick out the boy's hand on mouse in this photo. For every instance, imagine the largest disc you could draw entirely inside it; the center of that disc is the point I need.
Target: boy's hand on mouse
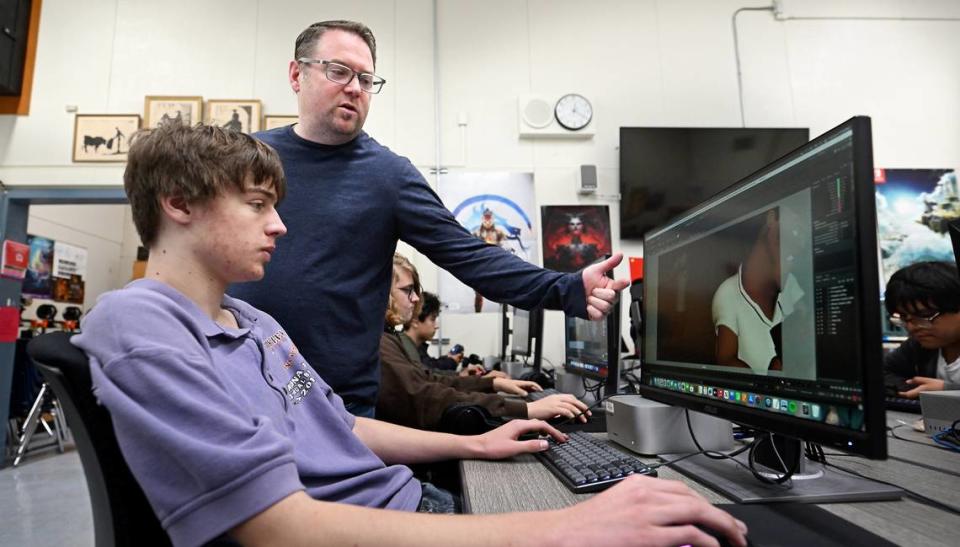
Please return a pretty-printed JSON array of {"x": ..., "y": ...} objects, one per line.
[
  {"x": 646, "y": 511},
  {"x": 922, "y": 383},
  {"x": 563, "y": 404},
  {"x": 504, "y": 441}
]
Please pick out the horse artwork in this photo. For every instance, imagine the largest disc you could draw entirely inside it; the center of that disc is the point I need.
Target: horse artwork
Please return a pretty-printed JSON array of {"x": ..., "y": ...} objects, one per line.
[{"x": 105, "y": 137}]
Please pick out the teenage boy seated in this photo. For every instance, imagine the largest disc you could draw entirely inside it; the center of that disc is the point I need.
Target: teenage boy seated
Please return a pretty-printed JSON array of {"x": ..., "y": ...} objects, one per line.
[
  {"x": 924, "y": 298},
  {"x": 228, "y": 430},
  {"x": 414, "y": 396},
  {"x": 421, "y": 328}
]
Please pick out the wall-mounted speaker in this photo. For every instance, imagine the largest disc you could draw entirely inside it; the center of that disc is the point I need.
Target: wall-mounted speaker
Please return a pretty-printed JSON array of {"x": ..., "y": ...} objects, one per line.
[{"x": 587, "y": 181}]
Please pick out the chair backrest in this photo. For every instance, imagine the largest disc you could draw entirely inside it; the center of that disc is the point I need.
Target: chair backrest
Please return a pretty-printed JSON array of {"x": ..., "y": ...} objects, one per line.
[{"x": 121, "y": 513}]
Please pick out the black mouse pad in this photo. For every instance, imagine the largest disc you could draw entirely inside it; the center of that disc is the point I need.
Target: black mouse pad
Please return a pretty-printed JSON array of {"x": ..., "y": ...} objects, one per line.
[{"x": 790, "y": 524}]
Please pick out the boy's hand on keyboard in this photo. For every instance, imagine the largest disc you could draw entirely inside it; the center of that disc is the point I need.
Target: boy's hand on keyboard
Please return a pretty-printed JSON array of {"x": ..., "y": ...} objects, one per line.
[
  {"x": 515, "y": 387},
  {"x": 504, "y": 441},
  {"x": 650, "y": 511},
  {"x": 922, "y": 383},
  {"x": 564, "y": 405}
]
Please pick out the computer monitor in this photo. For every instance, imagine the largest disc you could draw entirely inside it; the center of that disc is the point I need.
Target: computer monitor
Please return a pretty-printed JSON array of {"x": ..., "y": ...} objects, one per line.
[
  {"x": 592, "y": 349},
  {"x": 526, "y": 338},
  {"x": 760, "y": 305},
  {"x": 520, "y": 336},
  {"x": 504, "y": 332},
  {"x": 665, "y": 171},
  {"x": 953, "y": 228}
]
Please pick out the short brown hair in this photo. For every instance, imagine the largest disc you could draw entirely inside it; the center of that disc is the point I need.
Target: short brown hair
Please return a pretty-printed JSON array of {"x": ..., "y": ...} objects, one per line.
[
  {"x": 309, "y": 37},
  {"x": 400, "y": 262},
  {"x": 198, "y": 163}
]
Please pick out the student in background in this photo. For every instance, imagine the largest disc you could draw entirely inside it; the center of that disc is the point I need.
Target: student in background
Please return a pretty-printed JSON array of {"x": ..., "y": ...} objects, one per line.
[
  {"x": 413, "y": 396},
  {"x": 422, "y": 328},
  {"x": 924, "y": 298}
]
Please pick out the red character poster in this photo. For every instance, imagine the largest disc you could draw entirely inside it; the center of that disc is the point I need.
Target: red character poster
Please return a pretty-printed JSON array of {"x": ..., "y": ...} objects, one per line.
[{"x": 574, "y": 236}]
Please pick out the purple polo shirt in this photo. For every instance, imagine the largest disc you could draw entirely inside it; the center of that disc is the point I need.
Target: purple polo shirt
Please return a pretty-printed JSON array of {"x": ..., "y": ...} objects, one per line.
[{"x": 219, "y": 424}]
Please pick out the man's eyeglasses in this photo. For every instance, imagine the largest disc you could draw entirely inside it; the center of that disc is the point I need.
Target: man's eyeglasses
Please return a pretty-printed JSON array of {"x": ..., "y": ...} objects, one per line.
[
  {"x": 409, "y": 290},
  {"x": 921, "y": 321},
  {"x": 342, "y": 74}
]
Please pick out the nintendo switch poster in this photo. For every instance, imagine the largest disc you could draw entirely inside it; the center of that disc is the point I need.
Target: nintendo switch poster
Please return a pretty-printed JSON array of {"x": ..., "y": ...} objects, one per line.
[
  {"x": 575, "y": 236},
  {"x": 498, "y": 208},
  {"x": 914, "y": 207},
  {"x": 38, "y": 279}
]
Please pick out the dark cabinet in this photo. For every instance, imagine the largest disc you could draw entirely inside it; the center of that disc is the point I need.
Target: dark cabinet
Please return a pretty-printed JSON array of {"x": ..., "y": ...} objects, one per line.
[{"x": 14, "y": 21}]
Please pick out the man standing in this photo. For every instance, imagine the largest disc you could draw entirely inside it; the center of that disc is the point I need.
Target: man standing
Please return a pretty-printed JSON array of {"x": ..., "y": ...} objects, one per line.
[{"x": 350, "y": 201}]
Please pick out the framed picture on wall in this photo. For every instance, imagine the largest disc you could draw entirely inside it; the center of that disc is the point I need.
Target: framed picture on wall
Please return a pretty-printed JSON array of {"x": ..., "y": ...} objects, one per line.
[
  {"x": 272, "y": 122},
  {"x": 159, "y": 109},
  {"x": 103, "y": 137},
  {"x": 234, "y": 114}
]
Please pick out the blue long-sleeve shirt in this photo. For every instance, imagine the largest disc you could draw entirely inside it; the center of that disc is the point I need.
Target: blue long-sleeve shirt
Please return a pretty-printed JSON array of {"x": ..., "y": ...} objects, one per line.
[{"x": 329, "y": 279}]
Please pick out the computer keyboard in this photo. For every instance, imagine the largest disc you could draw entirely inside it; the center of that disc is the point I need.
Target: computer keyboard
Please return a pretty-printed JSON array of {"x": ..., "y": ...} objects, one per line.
[
  {"x": 587, "y": 464},
  {"x": 537, "y": 395},
  {"x": 902, "y": 404}
]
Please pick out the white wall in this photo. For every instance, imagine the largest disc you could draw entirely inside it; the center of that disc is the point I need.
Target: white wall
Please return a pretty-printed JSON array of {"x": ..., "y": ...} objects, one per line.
[{"x": 641, "y": 62}]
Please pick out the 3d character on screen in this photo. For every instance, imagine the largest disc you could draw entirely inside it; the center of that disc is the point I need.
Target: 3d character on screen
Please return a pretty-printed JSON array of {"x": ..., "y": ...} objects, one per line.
[
  {"x": 490, "y": 233},
  {"x": 749, "y": 307}
]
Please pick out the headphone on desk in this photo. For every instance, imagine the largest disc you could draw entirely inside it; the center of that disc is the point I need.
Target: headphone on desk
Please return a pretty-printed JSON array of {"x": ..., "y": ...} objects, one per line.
[{"x": 467, "y": 419}]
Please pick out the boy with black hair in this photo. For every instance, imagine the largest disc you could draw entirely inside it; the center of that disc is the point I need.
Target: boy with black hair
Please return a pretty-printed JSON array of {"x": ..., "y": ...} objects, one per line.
[
  {"x": 420, "y": 329},
  {"x": 924, "y": 298},
  {"x": 228, "y": 430}
]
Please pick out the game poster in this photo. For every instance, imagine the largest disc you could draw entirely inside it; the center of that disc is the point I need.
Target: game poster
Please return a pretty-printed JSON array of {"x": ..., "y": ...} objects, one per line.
[
  {"x": 69, "y": 260},
  {"x": 574, "y": 236},
  {"x": 497, "y": 208},
  {"x": 914, "y": 207},
  {"x": 37, "y": 281}
]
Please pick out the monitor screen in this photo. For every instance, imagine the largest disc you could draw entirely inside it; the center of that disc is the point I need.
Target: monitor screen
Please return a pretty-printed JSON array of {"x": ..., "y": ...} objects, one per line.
[
  {"x": 587, "y": 347},
  {"x": 760, "y": 304},
  {"x": 520, "y": 337},
  {"x": 665, "y": 171}
]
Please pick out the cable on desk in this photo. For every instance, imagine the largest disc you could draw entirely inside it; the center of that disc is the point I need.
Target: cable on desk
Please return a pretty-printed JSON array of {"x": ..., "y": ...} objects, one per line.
[
  {"x": 910, "y": 493},
  {"x": 949, "y": 439},
  {"x": 782, "y": 480},
  {"x": 924, "y": 465},
  {"x": 895, "y": 458},
  {"x": 893, "y": 433}
]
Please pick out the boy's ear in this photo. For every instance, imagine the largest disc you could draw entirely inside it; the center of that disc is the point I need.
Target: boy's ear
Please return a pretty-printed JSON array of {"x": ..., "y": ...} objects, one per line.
[{"x": 176, "y": 208}]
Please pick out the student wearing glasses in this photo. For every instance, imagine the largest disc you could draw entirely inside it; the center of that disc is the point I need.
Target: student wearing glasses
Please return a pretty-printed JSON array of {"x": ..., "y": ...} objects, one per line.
[
  {"x": 350, "y": 201},
  {"x": 924, "y": 298},
  {"x": 413, "y": 396}
]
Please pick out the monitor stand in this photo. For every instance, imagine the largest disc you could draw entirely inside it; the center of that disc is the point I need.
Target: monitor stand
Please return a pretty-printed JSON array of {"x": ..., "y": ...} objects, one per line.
[{"x": 813, "y": 482}]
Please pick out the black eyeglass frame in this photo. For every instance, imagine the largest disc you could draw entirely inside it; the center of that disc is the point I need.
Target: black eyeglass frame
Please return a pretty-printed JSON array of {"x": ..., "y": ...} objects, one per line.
[
  {"x": 376, "y": 85},
  {"x": 923, "y": 322}
]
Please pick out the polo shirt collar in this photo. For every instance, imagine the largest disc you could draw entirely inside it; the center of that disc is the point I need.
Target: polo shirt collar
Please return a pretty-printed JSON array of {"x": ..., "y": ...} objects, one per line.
[{"x": 210, "y": 328}]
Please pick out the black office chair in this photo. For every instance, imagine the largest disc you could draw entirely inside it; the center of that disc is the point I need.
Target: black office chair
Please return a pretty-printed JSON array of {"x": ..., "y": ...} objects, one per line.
[{"x": 121, "y": 513}]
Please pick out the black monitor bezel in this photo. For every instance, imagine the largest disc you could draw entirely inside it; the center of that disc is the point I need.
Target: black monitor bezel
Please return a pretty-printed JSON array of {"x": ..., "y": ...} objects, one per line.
[
  {"x": 611, "y": 375},
  {"x": 514, "y": 352},
  {"x": 872, "y": 441}
]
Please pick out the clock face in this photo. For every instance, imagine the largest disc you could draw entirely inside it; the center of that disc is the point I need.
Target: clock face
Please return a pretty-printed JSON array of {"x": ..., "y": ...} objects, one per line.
[{"x": 573, "y": 111}]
